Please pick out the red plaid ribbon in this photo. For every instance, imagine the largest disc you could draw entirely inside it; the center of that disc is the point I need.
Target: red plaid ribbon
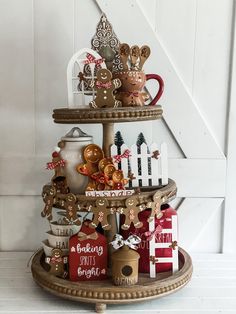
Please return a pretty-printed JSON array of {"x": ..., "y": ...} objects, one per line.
[
  {"x": 52, "y": 165},
  {"x": 106, "y": 85},
  {"x": 99, "y": 177},
  {"x": 56, "y": 260},
  {"x": 135, "y": 94},
  {"x": 151, "y": 234},
  {"x": 92, "y": 59},
  {"x": 126, "y": 154}
]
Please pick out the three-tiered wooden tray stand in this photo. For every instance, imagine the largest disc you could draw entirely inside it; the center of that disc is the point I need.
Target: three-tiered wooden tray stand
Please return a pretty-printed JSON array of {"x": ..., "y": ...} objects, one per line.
[{"x": 104, "y": 292}]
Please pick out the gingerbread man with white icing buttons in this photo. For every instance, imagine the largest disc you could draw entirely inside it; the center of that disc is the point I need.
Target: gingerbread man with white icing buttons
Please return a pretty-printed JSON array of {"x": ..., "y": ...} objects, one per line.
[
  {"x": 57, "y": 262},
  {"x": 100, "y": 213},
  {"x": 71, "y": 210},
  {"x": 49, "y": 198},
  {"x": 155, "y": 206},
  {"x": 131, "y": 213},
  {"x": 105, "y": 87}
]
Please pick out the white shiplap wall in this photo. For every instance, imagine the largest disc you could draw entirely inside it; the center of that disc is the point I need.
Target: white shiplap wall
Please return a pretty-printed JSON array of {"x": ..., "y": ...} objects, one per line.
[{"x": 37, "y": 38}]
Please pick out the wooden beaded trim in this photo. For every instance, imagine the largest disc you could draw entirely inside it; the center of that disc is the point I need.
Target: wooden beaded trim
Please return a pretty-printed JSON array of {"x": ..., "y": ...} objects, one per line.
[
  {"x": 122, "y": 114},
  {"x": 81, "y": 292}
]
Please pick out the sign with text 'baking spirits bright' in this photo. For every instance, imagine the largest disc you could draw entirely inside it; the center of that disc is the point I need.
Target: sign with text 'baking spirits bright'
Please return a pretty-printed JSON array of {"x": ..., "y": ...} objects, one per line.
[{"x": 87, "y": 255}]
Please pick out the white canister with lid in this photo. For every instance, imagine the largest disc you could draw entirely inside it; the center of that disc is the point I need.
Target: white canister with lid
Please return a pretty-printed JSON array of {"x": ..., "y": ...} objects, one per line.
[{"x": 72, "y": 147}]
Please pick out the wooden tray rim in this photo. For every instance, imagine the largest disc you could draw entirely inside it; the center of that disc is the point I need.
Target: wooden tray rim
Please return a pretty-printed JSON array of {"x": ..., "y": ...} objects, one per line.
[
  {"x": 112, "y": 294},
  {"x": 107, "y": 115},
  {"x": 168, "y": 193}
]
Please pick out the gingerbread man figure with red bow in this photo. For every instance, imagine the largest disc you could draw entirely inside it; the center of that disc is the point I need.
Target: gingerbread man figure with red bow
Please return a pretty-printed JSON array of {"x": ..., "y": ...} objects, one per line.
[
  {"x": 57, "y": 263},
  {"x": 105, "y": 87},
  {"x": 155, "y": 206}
]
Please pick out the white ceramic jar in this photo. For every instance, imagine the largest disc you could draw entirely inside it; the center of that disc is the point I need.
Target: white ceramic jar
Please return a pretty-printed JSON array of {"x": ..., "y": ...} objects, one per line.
[{"x": 72, "y": 152}]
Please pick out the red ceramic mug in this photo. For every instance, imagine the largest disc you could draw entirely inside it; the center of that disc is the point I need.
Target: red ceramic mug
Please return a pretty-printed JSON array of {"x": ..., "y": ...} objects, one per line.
[
  {"x": 161, "y": 87},
  {"x": 130, "y": 92}
]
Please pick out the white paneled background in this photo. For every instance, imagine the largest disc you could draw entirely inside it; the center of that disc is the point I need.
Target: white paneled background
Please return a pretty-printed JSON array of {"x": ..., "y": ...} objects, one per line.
[{"x": 192, "y": 47}]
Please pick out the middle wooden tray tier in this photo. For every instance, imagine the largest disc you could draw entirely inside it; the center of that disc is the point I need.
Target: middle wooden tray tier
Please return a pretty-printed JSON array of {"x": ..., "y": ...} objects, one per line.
[
  {"x": 107, "y": 115},
  {"x": 144, "y": 195}
]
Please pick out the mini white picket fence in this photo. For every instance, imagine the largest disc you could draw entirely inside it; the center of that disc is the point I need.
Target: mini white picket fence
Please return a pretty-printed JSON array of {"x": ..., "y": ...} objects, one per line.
[{"x": 147, "y": 170}]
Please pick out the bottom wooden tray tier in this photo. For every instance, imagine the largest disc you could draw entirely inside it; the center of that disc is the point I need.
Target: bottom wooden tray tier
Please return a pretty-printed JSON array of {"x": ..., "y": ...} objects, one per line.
[{"x": 104, "y": 292}]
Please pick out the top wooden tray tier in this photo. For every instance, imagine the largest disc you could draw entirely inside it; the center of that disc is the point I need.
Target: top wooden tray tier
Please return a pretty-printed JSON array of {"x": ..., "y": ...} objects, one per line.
[{"x": 107, "y": 115}]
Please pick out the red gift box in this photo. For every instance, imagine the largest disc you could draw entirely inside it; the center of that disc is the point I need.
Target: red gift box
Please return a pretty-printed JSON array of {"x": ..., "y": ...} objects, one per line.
[
  {"x": 143, "y": 247},
  {"x": 87, "y": 255}
]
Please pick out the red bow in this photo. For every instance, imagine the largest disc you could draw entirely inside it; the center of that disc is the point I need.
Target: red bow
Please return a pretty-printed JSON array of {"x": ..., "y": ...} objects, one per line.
[
  {"x": 106, "y": 85},
  {"x": 99, "y": 177},
  {"x": 52, "y": 165},
  {"x": 91, "y": 59},
  {"x": 126, "y": 154},
  {"x": 151, "y": 234},
  {"x": 135, "y": 94},
  {"x": 56, "y": 260}
]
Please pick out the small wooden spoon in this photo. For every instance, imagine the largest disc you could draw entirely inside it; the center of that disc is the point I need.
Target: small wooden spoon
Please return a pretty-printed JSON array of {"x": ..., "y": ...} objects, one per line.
[
  {"x": 134, "y": 55},
  {"x": 145, "y": 52},
  {"x": 124, "y": 54}
]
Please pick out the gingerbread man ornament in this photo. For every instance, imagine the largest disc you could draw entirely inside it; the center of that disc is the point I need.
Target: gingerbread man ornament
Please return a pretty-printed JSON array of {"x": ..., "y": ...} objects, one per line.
[
  {"x": 105, "y": 87},
  {"x": 49, "y": 198},
  {"x": 131, "y": 213},
  {"x": 100, "y": 213},
  {"x": 71, "y": 210},
  {"x": 155, "y": 206},
  {"x": 57, "y": 263},
  {"x": 92, "y": 155},
  {"x": 119, "y": 181}
]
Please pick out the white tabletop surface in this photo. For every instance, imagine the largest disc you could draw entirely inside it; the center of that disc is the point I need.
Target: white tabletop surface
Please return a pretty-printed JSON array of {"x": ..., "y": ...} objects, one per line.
[{"x": 211, "y": 290}]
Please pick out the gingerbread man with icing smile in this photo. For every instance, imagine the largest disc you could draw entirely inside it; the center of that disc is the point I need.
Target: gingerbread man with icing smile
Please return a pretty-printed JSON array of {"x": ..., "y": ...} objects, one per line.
[{"x": 105, "y": 87}]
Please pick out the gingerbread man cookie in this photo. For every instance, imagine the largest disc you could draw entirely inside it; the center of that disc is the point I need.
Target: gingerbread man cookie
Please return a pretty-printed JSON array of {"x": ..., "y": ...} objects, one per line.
[
  {"x": 57, "y": 263},
  {"x": 92, "y": 155},
  {"x": 49, "y": 198},
  {"x": 119, "y": 181},
  {"x": 100, "y": 213},
  {"x": 105, "y": 87},
  {"x": 155, "y": 206},
  {"x": 71, "y": 210},
  {"x": 131, "y": 213},
  {"x": 108, "y": 172}
]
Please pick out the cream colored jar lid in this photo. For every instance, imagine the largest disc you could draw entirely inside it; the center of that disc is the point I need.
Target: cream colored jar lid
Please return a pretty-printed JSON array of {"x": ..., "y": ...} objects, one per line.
[{"x": 76, "y": 135}]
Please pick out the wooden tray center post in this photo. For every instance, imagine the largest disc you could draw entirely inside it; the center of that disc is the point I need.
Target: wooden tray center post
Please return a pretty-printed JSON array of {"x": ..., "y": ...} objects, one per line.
[{"x": 108, "y": 140}]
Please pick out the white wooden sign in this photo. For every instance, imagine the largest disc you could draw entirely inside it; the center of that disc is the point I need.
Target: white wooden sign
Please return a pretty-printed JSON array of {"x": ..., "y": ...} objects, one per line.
[{"x": 112, "y": 193}]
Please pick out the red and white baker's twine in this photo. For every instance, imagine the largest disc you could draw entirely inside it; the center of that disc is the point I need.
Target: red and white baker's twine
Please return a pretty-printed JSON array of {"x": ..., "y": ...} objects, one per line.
[
  {"x": 52, "y": 165},
  {"x": 126, "y": 154}
]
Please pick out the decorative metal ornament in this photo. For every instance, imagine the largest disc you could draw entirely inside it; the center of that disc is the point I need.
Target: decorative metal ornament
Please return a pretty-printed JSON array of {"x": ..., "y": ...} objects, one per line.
[{"x": 106, "y": 43}]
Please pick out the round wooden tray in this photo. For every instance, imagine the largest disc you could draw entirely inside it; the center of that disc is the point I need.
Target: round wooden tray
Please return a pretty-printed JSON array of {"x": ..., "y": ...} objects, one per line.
[
  {"x": 168, "y": 193},
  {"x": 107, "y": 115},
  {"x": 104, "y": 292}
]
